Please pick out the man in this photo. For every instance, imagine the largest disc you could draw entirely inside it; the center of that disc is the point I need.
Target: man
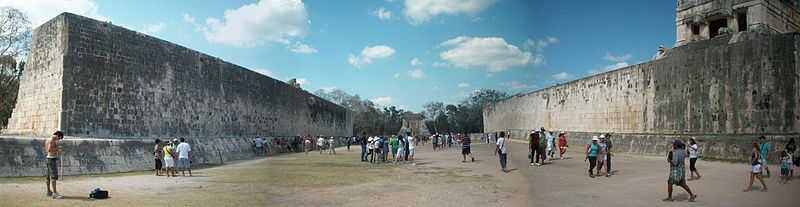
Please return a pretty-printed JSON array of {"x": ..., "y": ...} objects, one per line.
[
  {"x": 363, "y": 142},
  {"x": 184, "y": 157},
  {"x": 348, "y": 144},
  {"x": 320, "y": 144},
  {"x": 501, "y": 148},
  {"x": 465, "y": 149},
  {"x": 51, "y": 163},
  {"x": 435, "y": 140},
  {"x": 411, "y": 141},
  {"x": 169, "y": 161},
  {"x": 330, "y": 144},
  {"x": 551, "y": 148},
  {"x": 533, "y": 146},
  {"x": 542, "y": 143},
  {"x": 395, "y": 145},
  {"x": 677, "y": 171},
  {"x": 609, "y": 145},
  {"x": 764, "y": 148}
]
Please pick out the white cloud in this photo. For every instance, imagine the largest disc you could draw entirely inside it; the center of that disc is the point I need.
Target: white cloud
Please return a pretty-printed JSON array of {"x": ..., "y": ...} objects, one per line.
[
  {"x": 188, "y": 18},
  {"x": 608, "y": 68},
  {"x": 416, "y": 62},
  {"x": 40, "y": 11},
  {"x": 540, "y": 44},
  {"x": 301, "y": 48},
  {"x": 435, "y": 88},
  {"x": 514, "y": 85},
  {"x": 492, "y": 52},
  {"x": 418, "y": 73},
  {"x": 562, "y": 76},
  {"x": 420, "y": 11},
  {"x": 383, "y": 100},
  {"x": 396, "y": 75},
  {"x": 368, "y": 54},
  {"x": 383, "y": 14},
  {"x": 153, "y": 28},
  {"x": 256, "y": 24},
  {"x": 621, "y": 58},
  {"x": 463, "y": 85}
]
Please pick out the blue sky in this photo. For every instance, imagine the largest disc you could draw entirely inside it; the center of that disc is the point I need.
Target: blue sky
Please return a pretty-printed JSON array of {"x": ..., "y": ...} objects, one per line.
[{"x": 400, "y": 52}]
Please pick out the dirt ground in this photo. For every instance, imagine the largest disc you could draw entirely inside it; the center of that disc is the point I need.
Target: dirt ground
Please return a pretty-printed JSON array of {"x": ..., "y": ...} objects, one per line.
[{"x": 438, "y": 178}]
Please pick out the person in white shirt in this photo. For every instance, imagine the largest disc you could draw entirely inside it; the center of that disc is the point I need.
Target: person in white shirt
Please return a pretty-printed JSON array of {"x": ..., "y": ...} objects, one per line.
[
  {"x": 184, "y": 157},
  {"x": 410, "y": 139},
  {"x": 501, "y": 148},
  {"x": 693, "y": 158},
  {"x": 320, "y": 144}
]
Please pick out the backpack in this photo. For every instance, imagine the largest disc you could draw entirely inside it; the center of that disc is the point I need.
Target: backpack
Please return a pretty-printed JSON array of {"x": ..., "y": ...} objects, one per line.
[{"x": 98, "y": 194}]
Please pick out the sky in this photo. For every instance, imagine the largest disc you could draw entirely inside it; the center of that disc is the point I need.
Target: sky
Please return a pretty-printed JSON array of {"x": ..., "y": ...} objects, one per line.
[{"x": 399, "y": 52}]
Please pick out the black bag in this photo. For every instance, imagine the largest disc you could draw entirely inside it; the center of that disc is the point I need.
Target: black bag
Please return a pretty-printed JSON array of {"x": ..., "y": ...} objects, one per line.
[{"x": 100, "y": 194}]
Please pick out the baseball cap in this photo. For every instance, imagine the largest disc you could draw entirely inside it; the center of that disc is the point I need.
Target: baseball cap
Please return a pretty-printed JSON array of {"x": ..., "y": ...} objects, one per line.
[
  {"x": 594, "y": 138},
  {"x": 602, "y": 136},
  {"x": 538, "y": 130}
]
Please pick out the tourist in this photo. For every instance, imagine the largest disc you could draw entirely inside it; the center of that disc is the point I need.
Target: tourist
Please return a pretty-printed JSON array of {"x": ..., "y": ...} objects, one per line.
[
  {"x": 502, "y": 149},
  {"x": 411, "y": 141},
  {"x": 406, "y": 139},
  {"x": 320, "y": 143},
  {"x": 348, "y": 144},
  {"x": 465, "y": 149},
  {"x": 395, "y": 145},
  {"x": 602, "y": 152},
  {"x": 450, "y": 141},
  {"x": 533, "y": 148},
  {"x": 786, "y": 161},
  {"x": 435, "y": 141},
  {"x": 331, "y": 146},
  {"x": 764, "y": 148},
  {"x": 51, "y": 173},
  {"x": 791, "y": 148},
  {"x": 562, "y": 144},
  {"x": 384, "y": 149},
  {"x": 363, "y": 141},
  {"x": 609, "y": 146},
  {"x": 677, "y": 170},
  {"x": 591, "y": 155},
  {"x": 755, "y": 163},
  {"x": 400, "y": 150},
  {"x": 157, "y": 156},
  {"x": 371, "y": 149},
  {"x": 184, "y": 157},
  {"x": 306, "y": 144},
  {"x": 259, "y": 145},
  {"x": 542, "y": 143},
  {"x": 169, "y": 160},
  {"x": 551, "y": 145},
  {"x": 693, "y": 148}
]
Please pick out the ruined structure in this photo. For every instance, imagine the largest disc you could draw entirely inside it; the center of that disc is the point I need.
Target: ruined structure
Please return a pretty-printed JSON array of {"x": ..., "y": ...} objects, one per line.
[
  {"x": 727, "y": 90},
  {"x": 698, "y": 20},
  {"x": 415, "y": 124},
  {"x": 112, "y": 91}
]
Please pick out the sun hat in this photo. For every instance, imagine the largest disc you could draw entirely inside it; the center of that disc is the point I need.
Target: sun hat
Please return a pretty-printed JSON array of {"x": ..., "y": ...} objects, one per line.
[
  {"x": 538, "y": 130},
  {"x": 594, "y": 138},
  {"x": 602, "y": 136}
]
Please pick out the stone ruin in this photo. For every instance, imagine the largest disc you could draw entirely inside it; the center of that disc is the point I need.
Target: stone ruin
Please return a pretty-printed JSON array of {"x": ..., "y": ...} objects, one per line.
[{"x": 415, "y": 124}]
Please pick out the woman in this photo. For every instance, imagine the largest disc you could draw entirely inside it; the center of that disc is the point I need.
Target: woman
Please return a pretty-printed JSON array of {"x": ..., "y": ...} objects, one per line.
[
  {"x": 677, "y": 170},
  {"x": 602, "y": 153},
  {"x": 591, "y": 154},
  {"x": 755, "y": 163},
  {"x": 693, "y": 158},
  {"x": 533, "y": 145},
  {"x": 562, "y": 144},
  {"x": 400, "y": 150},
  {"x": 157, "y": 156},
  {"x": 791, "y": 148}
]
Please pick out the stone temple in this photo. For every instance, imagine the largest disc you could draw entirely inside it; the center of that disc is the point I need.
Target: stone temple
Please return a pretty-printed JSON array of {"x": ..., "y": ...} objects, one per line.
[
  {"x": 733, "y": 75},
  {"x": 414, "y": 124},
  {"x": 112, "y": 91}
]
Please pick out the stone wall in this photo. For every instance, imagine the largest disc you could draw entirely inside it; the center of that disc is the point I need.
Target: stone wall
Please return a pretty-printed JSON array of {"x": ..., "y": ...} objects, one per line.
[
  {"x": 738, "y": 85},
  {"x": 119, "y": 83}
]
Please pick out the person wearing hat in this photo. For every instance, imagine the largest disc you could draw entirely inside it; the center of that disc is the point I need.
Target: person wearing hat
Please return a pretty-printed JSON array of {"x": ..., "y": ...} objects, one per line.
[
  {"x": 169, "y": 159},
  {"x": 533, "y": 147},
  {"x": 542, "y": 143},
  {"x": 330, "y": 145},
  {"x": 591, "y": 154},
  {"x": 602, "y": 153},
  {"x": 562, "y": 144},
  {"x": 693, "y": 148},
  {"x": 677, "y": 170},
  {"x": 371, "y": 149}
]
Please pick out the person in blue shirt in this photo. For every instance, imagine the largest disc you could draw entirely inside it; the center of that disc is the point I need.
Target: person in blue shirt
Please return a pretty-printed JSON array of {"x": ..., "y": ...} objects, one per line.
[{"x": 764, "y": 148}]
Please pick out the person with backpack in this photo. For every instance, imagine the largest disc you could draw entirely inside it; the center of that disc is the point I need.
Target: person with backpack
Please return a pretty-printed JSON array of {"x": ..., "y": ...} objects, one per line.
[
  {"x": 677, "y": 170},
  {"x": 502, "y": 149},
  {"x": 790, "y": 149},
  {"x": 755, "y": 166}
]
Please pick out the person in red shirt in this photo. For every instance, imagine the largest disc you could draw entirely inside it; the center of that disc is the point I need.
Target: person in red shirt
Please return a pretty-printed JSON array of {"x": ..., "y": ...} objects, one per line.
[{"x": 562, "y": 144}]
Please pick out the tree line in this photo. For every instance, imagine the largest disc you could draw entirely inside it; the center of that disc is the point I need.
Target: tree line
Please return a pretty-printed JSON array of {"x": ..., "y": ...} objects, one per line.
[{"x": 15, "y": 38}]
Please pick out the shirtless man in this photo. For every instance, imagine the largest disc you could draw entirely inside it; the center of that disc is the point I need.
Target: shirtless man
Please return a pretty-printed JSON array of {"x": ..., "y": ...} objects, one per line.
[{"x": 52, "y": 148}]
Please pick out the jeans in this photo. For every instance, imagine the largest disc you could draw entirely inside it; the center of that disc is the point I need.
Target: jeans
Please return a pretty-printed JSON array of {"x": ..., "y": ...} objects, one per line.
[
  {"x": 503, "y": 160},
  {"x": 608, "y": 163},
  {"x": 363, "y": 153}
]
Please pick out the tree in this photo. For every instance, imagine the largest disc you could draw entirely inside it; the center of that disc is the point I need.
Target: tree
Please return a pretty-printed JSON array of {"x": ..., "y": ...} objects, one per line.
[{"x": 15, "y": 38}]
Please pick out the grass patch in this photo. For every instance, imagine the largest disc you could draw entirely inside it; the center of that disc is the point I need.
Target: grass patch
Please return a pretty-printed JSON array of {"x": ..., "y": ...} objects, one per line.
[{"x": 310, "y": 170}]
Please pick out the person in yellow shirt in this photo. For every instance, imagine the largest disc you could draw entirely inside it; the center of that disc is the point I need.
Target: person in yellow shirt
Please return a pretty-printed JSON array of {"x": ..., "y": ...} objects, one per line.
[{"x": 169, "y": 160}]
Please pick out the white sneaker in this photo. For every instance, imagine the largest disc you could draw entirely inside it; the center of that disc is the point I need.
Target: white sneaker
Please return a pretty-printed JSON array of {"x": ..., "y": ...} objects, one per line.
[
  {"x": 531, "y": 164},
  {"x": 57, "y": 196},
  {"x": 538, "y": 164}
]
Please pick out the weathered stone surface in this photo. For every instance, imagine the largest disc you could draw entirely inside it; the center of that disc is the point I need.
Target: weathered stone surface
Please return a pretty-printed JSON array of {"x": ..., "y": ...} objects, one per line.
[
  {"x": 712, "y": 88},
  {"x": 698, "y": 20}
]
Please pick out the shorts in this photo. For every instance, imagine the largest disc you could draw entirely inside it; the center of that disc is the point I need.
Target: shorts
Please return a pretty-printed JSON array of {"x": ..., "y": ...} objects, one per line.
[
  {"x": 51, "y": 172},
  {"x": 756, "y": 168},
  {"x": 549, "y": 147},
  {"x": 411, "y": 152},
  {"x": 169, "y": 162},
  {"x": 785, "y": 171},
  {"x": 184, "y": 163},
  {"x": 465, "y": 151},
  {"x": 259, "y": 147}
]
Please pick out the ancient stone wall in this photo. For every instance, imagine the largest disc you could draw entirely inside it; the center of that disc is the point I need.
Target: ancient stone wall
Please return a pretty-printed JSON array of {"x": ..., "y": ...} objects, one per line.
[
  {"x": 729, "y": 85},
  {"x": 119, "y": 83}
]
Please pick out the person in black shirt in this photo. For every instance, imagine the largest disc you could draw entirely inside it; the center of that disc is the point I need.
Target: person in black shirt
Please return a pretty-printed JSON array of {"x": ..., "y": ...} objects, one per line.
[{"x": 363, "y": 141}]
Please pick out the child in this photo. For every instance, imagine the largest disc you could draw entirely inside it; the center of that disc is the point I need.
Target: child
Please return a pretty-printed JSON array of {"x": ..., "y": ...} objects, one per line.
[{"x": 786, "y": 160}]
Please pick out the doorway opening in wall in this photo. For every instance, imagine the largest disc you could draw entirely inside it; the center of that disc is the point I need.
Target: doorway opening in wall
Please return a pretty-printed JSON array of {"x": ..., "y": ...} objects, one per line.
[
  {"x": 713, "y": 27},
  {"x": 695, "y": 29},
  {"x": 741, "y": 19}
]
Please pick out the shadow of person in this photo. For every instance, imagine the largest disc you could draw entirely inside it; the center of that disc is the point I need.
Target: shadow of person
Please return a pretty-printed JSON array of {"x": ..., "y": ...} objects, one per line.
[{"x": 80, "y": 198}]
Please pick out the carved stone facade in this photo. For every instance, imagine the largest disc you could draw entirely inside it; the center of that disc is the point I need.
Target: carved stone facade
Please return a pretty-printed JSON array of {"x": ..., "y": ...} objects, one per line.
[
  {"x": 415, "y": 124},
  {"x": 704, "y": 19}
]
